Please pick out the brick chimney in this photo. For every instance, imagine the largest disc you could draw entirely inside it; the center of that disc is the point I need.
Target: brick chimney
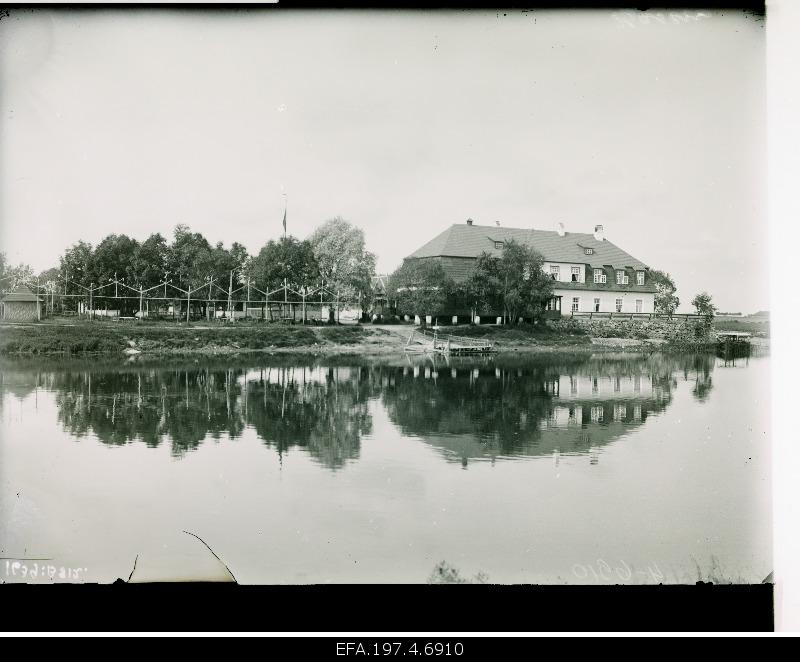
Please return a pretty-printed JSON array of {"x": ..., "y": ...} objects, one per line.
[
  {"x": 469, "y": 221},
  {"x": 598, "y": 233},
  {"x": 560, "y": 229}
]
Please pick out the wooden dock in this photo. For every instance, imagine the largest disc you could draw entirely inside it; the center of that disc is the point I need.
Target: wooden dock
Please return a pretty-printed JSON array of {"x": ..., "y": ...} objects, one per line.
[
  {"x": 733, "y": 344},
  {"x": 443, "y": 343}
]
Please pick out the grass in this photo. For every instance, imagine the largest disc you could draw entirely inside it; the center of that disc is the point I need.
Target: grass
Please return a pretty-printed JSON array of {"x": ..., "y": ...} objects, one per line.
[
  {"x": 520, "y": 333},
  {"x": 107, "y": 338},
  {"x": 343, "y": 335},
  {"x": 745, "y": 325}
]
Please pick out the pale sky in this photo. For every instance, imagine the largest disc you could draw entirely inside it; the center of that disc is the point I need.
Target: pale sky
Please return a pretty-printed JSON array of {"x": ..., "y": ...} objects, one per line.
[{"x": 401, "y": 122}]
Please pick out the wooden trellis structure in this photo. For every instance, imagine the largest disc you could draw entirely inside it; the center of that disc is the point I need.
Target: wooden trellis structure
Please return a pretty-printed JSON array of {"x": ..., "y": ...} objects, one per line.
[{"x": 207, "y": 301}]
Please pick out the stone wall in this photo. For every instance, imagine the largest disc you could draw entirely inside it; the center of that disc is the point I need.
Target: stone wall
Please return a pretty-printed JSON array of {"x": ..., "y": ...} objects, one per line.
[{"x": 671, "y": 330}]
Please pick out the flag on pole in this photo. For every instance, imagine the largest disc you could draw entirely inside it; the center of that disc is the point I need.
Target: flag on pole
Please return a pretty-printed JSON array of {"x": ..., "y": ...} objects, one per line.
[{"x": 284, "y": 221}]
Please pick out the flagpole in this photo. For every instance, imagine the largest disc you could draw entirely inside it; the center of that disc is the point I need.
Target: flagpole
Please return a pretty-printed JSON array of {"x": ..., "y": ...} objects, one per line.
[{"x": 285, "y": 206}]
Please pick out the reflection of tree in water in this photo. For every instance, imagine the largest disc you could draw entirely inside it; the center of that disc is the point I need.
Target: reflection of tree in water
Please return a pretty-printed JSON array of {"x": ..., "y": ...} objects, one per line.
[
  {"x": 695, "y": 368},
  {"x": 499, "y": 412},
  {"x": 20, "y": 383},
  {"x": 120, "y": 407},
  {"x": 327, "y": 417},
  {"x": 324, "y": 412},
  {"x": 471, "y": 409},
  {"x": 702, "y": 365},
  {"x": 536, "y": 408}
]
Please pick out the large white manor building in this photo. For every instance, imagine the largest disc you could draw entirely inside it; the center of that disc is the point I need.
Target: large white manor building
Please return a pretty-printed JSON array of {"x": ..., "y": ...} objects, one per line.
[{"x": 591, "y": 274}]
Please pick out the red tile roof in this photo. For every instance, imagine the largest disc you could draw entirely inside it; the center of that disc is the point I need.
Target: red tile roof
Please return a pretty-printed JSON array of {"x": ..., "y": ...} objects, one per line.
[{"x": 462, "y": 240}]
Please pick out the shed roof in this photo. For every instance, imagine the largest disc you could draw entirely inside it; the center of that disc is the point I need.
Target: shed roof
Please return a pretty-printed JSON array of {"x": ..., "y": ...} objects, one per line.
[{"x": 21, "y": 293}]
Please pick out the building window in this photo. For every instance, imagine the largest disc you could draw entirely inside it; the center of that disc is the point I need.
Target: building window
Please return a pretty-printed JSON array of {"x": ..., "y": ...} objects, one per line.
[
  {"x": 588, "y": 251},
  {"x": 576, "y": 274},
  {"x": 555, "y": 272},
  {"x": 575, "y": 303},
  {"x": 622, "y": 277},
  {"x": 619, "y": 305},
  {"x": 498, "y": 244},
  {"x": 599, "y": 276},
  {"x": 640, "y": 277},
  {"x": 638, "y": 305},
  {"x": 597, "y": 305}
]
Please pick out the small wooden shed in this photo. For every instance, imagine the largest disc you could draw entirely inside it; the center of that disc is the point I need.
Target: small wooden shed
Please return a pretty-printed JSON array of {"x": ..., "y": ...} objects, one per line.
[{"x": 21, "y": 305}]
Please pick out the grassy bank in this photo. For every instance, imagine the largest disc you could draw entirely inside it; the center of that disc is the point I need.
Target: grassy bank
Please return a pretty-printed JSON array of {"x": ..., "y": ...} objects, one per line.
[
  {"x": 522, "y": 335},
  {"x": 80, "y": 338},
  {"x": 162, "y": 339}
]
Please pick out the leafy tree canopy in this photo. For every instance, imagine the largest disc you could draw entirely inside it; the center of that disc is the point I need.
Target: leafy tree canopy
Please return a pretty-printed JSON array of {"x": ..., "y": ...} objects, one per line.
[
  {"x": 344, "y": 262},
  {"x": 13, "y": 275},
  {"x": 285, "y": 258},
  {"x": 514, "y": 283},
  {"x": 665, "y": 301},
  {"x": 703, "y": 305},
  {"x": 420, "y": 287}
]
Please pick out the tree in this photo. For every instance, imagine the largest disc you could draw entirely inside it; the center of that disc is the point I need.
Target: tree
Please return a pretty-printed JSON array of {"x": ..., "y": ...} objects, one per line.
[
  {"x": 115, "y": 256},
  {"x": 344, "y": 263},
  {"x": 49, "y": 275},
  {"x": 286, "y": 258},
  {"x": 703, "y": 305},
  {"x": 77, "y": 268},
  {"x": 665, "y": 302},
  {"x": 13, "y": 275},
  {"x": 227, "y": 267},
  {"x": 189, "y": 259},
  {"x": 514, "y": 282},
  {"x": 420, "y": 287},
  {"x": 149, "y": 265}
]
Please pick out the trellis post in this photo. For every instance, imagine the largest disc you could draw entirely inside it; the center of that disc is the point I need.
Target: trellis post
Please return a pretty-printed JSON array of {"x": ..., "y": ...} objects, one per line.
[{"x": 230, "y": 295}]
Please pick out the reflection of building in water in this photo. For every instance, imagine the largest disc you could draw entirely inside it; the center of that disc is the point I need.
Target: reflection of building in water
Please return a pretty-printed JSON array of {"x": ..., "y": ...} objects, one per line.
[
  {"x": 539, "y": 410},
  {"x": 599, "y": 387},
  {"x": 466, "y": 409}
]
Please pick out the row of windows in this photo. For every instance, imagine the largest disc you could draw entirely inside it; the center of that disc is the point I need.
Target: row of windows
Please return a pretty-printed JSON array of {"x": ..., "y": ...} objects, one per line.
[
  {"x": 599, "y": 275},
  {"x": 499, "y": 246},
  {"x": 587, "y": 251},
  {"x": 576, "y": 302},
  {"x": 622, "y": 277}
]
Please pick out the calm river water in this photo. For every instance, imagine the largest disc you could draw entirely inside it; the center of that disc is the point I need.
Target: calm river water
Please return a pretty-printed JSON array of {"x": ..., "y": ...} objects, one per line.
[{"x": 554, "y": 469}]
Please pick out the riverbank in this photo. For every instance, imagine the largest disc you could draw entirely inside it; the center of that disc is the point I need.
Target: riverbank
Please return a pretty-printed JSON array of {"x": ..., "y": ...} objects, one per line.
[{"x": 133, "y": 339}]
